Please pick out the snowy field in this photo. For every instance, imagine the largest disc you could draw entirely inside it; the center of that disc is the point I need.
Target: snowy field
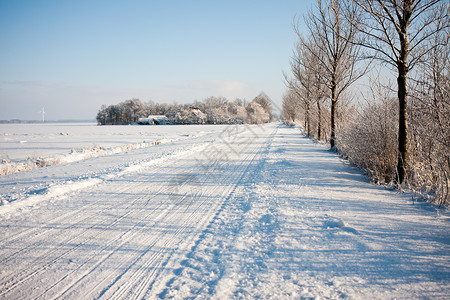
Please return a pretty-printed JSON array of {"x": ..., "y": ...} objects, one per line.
[
  {"x": 23, "y": 146},
  {"x": 215, "y": 212},
  {"x": 22, "y": 141}
]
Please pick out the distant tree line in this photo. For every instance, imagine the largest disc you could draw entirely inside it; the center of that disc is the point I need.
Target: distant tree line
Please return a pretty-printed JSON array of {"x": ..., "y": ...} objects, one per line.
[
  {"x": 212, "y": 110},
  {"x": 398, "y": 133}
]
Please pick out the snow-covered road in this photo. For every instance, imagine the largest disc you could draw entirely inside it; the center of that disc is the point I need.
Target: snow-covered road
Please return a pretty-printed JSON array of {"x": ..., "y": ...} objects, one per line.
[{"x": 251, "y": 212}]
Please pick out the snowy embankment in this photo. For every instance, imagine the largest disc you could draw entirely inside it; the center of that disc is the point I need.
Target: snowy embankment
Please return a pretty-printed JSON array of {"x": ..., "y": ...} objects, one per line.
[
  {"x": 25, "y": 147},
  {"x": 7, "y": 168},
  {"x": 250, "y": 212}
]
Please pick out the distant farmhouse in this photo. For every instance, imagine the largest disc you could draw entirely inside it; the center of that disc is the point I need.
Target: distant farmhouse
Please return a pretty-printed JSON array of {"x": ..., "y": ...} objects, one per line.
[
  {"x": 213, "y": 110},
  {"x": 154, "y": 120}
]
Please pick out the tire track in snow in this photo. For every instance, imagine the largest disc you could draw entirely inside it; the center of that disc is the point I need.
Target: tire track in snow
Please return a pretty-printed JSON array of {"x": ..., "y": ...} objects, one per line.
[
  {"x": 48, "y": 229},
  {"x": 29, "y": 270},
  {"x": 70, "y": 240},
  {"x": 230, "y": 172},
  {"x": 187, "y": 262},
  {"x": 151, "y": 242},
  {"x": 42, "y": 235},
  {"x": 37, "y": 267},
  {"x": 156, "y": 261},
  {"x": 37, "y": 232},
  {"x": 130, "y": 234}
]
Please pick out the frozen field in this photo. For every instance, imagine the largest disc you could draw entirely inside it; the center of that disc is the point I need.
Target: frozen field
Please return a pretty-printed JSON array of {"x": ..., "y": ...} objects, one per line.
[
  {"x": 19, "y": 142},
  {"x": 27, "y": 146},
  {"x": 238, "y": 212}
]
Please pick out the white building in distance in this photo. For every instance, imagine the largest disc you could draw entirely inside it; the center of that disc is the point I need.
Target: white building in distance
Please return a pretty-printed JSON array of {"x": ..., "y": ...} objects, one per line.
[{"x": 154, "y": 120}]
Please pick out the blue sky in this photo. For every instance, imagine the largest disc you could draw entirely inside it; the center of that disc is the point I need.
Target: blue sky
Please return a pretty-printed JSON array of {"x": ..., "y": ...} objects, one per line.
[{"x": 73, "y": 56}]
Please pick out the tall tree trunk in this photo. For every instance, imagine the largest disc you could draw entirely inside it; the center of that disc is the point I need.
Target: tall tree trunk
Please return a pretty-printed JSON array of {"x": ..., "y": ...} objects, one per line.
[
  {"x": 333, "y": 116},
  {"x": 308, "y": 120},
  {"x": 319, "y": 116},
  {"x": 402, "y": 124},
  {"x": 306, "y": 123},
  {"x": 403, "y": 69}
]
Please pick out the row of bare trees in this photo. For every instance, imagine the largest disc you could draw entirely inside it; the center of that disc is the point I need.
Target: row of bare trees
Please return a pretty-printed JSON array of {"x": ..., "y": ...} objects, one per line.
[
  {"x": 344, "y": 39},
  {"x": 212, "y": 110},
  {"x": 325, "y": 61}
]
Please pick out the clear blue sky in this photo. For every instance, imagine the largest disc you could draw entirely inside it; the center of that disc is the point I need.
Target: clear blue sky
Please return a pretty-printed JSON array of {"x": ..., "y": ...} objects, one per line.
[{"x": 73, "y": 56}]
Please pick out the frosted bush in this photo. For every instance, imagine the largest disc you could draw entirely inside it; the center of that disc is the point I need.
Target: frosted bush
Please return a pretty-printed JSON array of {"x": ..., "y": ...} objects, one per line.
[{"x": 370, "y": 140}]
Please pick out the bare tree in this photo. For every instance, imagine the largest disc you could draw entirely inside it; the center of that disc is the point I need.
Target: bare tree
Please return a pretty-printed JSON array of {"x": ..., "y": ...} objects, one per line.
[
  {"x": 318, "y": 92},
  {"x": 333, "y": 30},
  {"x": 396, "y": 32},
  {"x": 302, "y": 98},
  {"x": 301, "y": 83},
  {"x": 310, "y": 77},
  {"x": 307, "y": 84},
  {"x": 290, "y": 108},
  {"x": 429, "y": 110}
]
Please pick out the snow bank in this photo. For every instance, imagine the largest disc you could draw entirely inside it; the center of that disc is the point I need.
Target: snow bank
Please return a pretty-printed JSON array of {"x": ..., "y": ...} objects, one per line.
[
  {"x": 143, "y": 165},
  {"x": 60, "y": 190},
  {"x": 7, "y": 168},
  {"x": 55, "y": 191},
  {"x": 26, "y": 147}
]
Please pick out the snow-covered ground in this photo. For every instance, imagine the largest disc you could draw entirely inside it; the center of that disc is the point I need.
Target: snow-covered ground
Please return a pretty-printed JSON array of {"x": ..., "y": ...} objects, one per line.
[
  {"x": 23, "y": 141},
  {"x": 29, "y": 146},
  {"x": 234, "y": 212}
]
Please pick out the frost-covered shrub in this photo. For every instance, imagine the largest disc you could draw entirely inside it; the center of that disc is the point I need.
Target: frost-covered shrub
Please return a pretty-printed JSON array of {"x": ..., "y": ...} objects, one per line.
[
  {"x": 370, "y": 140},
  {"x": 290, "y": 108},
  {"x": 430, "y": 128},
  {"x": 257, "y": 114}
]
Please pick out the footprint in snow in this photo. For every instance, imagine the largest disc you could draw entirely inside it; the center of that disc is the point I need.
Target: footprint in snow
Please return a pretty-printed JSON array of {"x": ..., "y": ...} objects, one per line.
[
  {"x": 266, "y": 219},
  {"x": 329, "y": 224}
]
